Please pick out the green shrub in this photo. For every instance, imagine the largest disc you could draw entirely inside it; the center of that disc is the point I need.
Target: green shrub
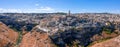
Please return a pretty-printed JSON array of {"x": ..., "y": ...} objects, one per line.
[
  {"x": 107, "y": 30},
  {"x": 19, "y": 39}
]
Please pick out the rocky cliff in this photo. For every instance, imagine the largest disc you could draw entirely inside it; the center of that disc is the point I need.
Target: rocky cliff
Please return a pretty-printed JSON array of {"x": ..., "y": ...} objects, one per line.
[
  {"x": 36, "y": 39},
  {"x": 8, "y": 37}
]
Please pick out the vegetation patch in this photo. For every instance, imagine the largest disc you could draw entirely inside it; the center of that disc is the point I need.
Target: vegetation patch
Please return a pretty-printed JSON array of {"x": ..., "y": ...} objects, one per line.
[
  {"x": 19, "y": 39},
  {"x": 101, "y": 40},
  {"x": 107, "y": 30}
]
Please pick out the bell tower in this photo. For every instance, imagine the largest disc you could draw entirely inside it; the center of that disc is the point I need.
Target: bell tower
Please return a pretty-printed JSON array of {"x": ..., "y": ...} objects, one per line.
[{"x": 69, "y": 13}]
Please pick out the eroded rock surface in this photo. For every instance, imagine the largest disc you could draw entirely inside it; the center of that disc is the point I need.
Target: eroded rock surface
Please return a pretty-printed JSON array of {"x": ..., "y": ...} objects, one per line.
[
  {"x": 115, "y": 42},
  {"x": 36, "y": 39},
  {"x": 8, "y": 37}
]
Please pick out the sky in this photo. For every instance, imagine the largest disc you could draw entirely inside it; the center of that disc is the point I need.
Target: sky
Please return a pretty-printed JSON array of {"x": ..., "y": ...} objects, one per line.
[{"x": 50, "y": 6}]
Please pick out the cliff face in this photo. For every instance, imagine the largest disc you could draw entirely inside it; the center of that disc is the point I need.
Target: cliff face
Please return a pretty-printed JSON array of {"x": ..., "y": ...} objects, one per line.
[
  {"x": 8, "y": 37},
  {"x": 36, "y": 39}
]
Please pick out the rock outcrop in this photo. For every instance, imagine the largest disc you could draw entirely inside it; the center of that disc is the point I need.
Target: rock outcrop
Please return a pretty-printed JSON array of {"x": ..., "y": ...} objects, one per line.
[
  {"x": 8, "y": 37},
  {"x": 36, "y": 39},
  {"x": 115, "y": 42}
]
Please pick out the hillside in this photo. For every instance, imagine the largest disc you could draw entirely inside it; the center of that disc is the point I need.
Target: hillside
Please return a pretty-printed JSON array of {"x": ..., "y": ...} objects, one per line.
[
  {"x": 8, "y": 37},
  {"x": 36, "y": 39},
  {"x": 114, "y": 42}
]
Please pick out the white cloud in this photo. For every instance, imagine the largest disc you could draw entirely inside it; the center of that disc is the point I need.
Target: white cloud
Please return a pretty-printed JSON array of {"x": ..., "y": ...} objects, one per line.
[
  {"x": 0, "y": 8},
  {"x": 45, "y": 9},
  {"x": 36, "y": 4},
  {"x": 28, "y": 10}
]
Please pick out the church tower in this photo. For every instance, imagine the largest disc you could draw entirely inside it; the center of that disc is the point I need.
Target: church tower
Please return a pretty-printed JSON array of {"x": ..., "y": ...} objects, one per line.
[{"x": 69, "y": 13}]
